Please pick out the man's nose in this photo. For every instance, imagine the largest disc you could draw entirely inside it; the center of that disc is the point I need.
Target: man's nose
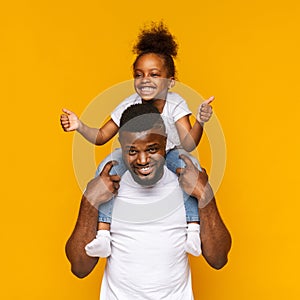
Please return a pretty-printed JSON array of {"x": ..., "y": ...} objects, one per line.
[{"x": 143, "y": 158}]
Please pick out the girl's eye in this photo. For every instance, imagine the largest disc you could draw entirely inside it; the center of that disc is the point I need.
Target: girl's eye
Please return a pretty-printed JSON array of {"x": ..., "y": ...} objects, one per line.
[
  {"x": 137, "y": 75},
  {"x": 155, "y": 75}
]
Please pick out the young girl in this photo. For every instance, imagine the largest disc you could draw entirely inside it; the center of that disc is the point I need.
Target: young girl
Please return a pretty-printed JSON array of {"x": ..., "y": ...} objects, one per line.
[{"x": 154, "y": 74}]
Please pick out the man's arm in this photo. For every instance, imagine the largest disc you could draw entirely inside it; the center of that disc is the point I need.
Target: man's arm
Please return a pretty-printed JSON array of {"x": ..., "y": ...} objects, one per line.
[
  {"x": 215, "y": 238},
  {"x": 84, "y": 232},
  {"x": 99, "y": 190}
]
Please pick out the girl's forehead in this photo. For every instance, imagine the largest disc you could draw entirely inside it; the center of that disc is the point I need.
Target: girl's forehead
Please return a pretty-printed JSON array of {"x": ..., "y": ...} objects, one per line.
[{"x": 149, "y": 59}]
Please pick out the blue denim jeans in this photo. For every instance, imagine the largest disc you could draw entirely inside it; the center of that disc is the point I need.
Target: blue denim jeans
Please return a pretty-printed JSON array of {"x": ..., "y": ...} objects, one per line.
[{"x": 172, "y": 162}]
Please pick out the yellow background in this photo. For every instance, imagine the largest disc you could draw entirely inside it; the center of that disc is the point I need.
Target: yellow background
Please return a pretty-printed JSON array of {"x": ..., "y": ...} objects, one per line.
[{"x": 58, "y": 54}]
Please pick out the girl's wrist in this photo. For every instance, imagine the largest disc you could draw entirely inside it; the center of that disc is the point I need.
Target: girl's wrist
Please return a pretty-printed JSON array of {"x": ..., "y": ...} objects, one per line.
[
  {"x": 200, "y": 122},
  {"x": 80, "y": 126}
]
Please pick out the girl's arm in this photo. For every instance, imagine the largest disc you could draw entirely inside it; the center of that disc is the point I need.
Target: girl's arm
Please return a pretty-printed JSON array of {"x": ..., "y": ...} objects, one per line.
[
  {"x": 99, "y": 136},
  {"x": 189, "y": 135},
  {"x": 70, "y": 122}
]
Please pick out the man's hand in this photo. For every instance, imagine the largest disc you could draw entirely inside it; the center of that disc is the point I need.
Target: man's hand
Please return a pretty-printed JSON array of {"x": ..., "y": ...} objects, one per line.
[
  {"x": 205, "y": 111},
  {"x": 103, "y": 187},
  {"x": 69, "y": 121},
  {"x": 195, "y": 182}
]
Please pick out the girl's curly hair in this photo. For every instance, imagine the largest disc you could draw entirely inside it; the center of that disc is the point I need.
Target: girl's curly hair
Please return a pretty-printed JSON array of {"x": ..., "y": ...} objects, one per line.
[{"x": 157, "y": 39}]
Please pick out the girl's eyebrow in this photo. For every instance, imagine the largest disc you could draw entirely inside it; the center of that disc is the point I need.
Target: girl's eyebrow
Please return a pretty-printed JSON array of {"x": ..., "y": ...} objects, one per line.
[{"x": 153, "y": 69}]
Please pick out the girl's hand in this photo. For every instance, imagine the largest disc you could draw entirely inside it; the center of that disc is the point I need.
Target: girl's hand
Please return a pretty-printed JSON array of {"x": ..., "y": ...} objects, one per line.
[
  {"x": 205, "y": 111},
  {"x": 69, "y": 121}
]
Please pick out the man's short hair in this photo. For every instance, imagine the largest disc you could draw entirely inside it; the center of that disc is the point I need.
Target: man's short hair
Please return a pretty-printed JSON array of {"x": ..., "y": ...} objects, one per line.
[{"x": 141, "y": 117}]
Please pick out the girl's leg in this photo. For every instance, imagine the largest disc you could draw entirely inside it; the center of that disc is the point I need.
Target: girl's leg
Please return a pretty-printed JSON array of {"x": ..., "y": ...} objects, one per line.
[
  {"x": 173, "y": 162},
  {"x": 193, "y": 243},
  {"x": 105, "y": 209}
]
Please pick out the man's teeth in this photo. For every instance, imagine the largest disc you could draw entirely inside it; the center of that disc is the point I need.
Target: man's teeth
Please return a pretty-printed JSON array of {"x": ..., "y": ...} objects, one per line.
[{"x": 145, "y": 168}]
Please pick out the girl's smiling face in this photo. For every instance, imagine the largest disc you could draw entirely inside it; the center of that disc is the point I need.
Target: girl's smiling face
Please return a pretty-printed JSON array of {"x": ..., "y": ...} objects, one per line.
[{"x": 151, "y": 79}]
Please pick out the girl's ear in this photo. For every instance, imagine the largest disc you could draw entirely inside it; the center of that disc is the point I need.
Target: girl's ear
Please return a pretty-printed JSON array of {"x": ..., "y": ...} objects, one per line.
[{"x": 172, "y": 82}]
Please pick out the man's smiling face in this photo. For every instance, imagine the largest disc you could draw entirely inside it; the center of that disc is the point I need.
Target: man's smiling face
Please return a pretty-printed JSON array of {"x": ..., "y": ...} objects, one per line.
[{"x": 144, "y": 154}]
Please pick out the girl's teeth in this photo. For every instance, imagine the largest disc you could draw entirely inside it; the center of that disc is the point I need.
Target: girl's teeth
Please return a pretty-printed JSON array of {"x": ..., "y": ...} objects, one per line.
[{"x": 147, "y": 89}]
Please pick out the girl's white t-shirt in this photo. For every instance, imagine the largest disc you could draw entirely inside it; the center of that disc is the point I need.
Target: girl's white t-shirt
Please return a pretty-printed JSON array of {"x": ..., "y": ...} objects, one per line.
[
  {"x": 174, "y": 109},
  {"x": 148, "y": 231}
]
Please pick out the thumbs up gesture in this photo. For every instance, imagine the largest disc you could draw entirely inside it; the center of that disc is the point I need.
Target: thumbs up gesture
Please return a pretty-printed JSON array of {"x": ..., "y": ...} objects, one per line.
[
  {"x": 205, "y": 111},
  {"x": 69, "y": 121},
  {"x": 103, "y": 187}
]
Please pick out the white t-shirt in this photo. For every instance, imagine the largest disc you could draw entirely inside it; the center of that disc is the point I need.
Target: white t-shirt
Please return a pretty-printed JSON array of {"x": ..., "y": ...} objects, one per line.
[
  {"x": 148, "y": 230},
  {"x": 174, "y": 109}
]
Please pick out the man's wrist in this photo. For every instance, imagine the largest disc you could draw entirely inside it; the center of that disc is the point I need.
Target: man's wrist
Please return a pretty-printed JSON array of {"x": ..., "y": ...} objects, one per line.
[
  {"x": 94, "y": 200},
  {"x": 92, "y": 206},
  {"x": 206, "y": 196}
]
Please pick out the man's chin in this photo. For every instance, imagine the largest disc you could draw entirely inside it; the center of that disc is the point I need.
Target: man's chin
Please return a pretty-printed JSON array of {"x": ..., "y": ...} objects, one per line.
[{"x": 147, "y": 180}]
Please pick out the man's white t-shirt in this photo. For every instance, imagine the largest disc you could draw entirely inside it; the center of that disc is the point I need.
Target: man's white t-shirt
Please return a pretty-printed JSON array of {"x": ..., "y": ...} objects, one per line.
[
  {"x": 175, "y": 108},
  {"x": 148, "y": 230}
]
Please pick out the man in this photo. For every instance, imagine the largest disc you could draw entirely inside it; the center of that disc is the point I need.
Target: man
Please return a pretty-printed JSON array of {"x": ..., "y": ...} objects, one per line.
[{"x": 148, "y": 226}]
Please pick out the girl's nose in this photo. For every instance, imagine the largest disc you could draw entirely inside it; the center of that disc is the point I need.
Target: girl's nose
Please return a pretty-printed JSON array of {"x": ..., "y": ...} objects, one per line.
[{"x": 145, "y": 79}]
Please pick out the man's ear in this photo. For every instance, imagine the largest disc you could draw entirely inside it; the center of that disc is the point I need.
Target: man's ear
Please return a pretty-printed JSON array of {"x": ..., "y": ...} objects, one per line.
[
  {"x": 171, "y": 83},
  {"x": 165, "y": 142},
  {"x": 119, "y": 139}
]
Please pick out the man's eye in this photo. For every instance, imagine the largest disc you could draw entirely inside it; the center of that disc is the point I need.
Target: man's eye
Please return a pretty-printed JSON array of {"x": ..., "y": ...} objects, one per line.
[
  {"x": 131, "y": 152},
  {"x": 152, "y": 150}
]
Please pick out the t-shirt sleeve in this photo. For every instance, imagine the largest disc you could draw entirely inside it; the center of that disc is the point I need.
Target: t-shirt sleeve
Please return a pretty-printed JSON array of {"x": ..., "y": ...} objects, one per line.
[
  {"x": 180, "y": 107},
  {"x": 118, "y": 111}
]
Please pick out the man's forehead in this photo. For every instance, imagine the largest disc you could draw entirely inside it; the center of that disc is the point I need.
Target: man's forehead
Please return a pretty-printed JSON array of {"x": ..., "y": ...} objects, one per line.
[{"x": 148, "y": 135}]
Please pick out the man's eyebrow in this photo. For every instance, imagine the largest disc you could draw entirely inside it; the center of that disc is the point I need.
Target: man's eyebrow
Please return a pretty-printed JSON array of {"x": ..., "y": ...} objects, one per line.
[
  {"x": 147, "y": 145},
  {"x": 129, "y": 146},
  {"x": 153, "y": 144}
]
